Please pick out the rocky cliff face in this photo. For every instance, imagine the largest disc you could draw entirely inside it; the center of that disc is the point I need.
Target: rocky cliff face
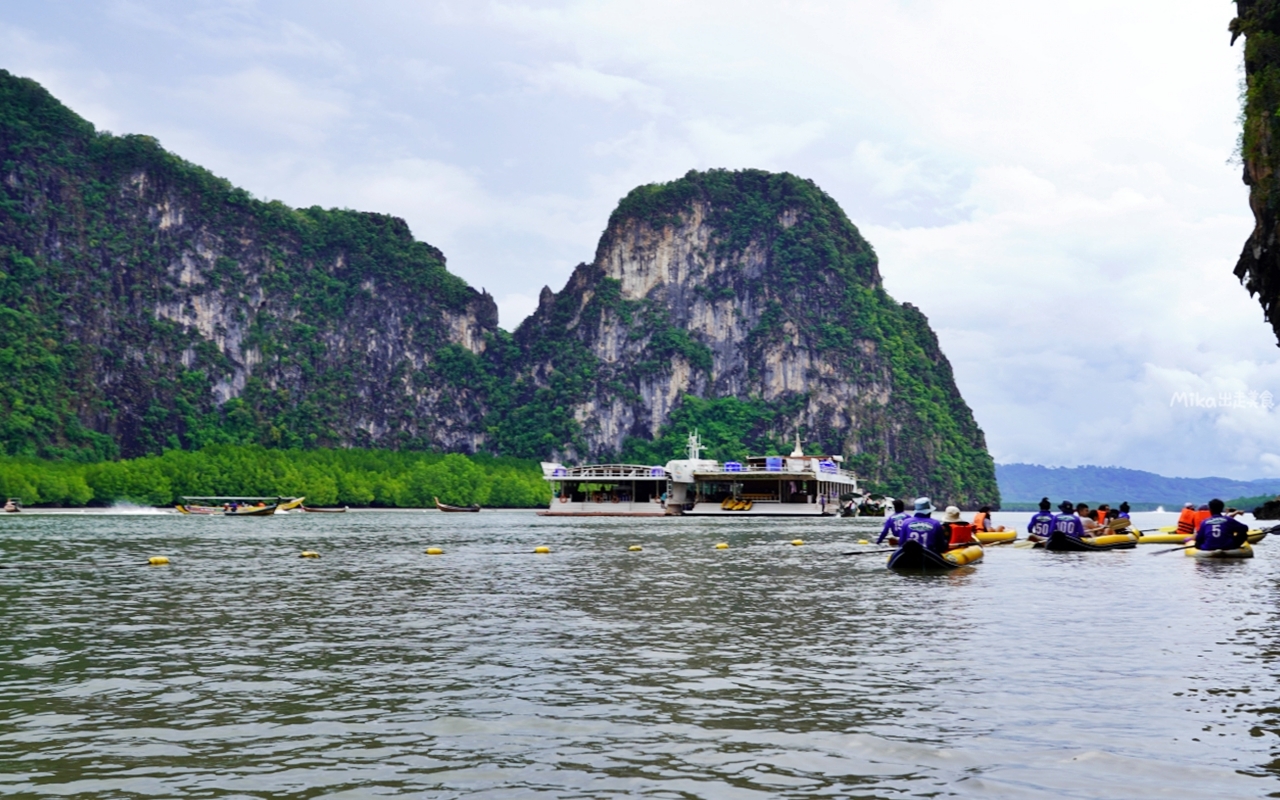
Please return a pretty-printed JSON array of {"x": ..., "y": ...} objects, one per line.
[
  {"x": 752, "y": 287},
  {"x": 148, "y": 304},
  {"x": 1259, "y": 265}
]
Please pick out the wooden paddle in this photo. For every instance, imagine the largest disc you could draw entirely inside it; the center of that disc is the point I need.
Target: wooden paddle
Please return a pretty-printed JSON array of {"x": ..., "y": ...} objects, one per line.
[{"x": 871, "y": 552}]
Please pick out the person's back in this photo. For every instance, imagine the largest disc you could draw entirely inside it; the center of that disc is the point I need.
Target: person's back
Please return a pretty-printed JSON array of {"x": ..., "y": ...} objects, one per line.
[
  {"x": 924, "y": 529},
  {"x": 1187, "y": 521},
  {"x": 982, "y": 520},
  {"x": 1068, "y": 523},
  {"x": 1219, "y": 531},
  {"x": 1041, "y": 523},
  {"x": 893, "y": 525},
  {"x": 1202, "y": 514}
]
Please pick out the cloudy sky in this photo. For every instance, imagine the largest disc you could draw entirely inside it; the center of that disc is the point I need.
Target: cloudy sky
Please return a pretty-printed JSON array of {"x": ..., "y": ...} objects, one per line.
[{"x": 1052, "y": 183}]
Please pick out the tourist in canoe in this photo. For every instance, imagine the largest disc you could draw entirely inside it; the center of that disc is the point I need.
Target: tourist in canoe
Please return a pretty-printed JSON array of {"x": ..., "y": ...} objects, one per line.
[
  {"x": 1086, "y": 519},
  {"x": 1041, "y": 522},
  {"x": 982, "y": 520},
  {"x": 958, "y": 531},
  {"x": 1103, "y": 512},
  {"x": 1187, "y": 520},
  {"x": 1123, "y": 513},
  {"x": 893, "y": 525},
  {"x": 1069, "y": 522},
  {"x": 1220, "y": 531},
  {"x": 1202, "y": 513},
  {"x": 921, "y": 527}
]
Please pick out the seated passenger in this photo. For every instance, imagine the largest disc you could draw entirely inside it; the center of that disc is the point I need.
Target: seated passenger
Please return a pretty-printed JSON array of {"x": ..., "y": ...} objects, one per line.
[
  {"x": 959, "y": 532},
  {"x": 1041, "y": 522},
  {"x": 924, "y": 529},
  {"x": 982, "y": 521},
  {"x": 1202, "y": 513},
  {"x": 1187, "y": 520},
  {"x": 1090, "y": 524},
  {"x": 893, "y": 524},
  {"x": 1067, "y": 522},
  {"x": 1219, "y": 531},
  {"x": 1124, "y": 510}
]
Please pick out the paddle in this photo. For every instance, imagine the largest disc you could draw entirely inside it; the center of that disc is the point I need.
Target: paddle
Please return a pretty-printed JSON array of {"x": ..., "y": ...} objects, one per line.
[
  {"x": 1174, "y": 549},
  {"x": 871, "y": 552}
]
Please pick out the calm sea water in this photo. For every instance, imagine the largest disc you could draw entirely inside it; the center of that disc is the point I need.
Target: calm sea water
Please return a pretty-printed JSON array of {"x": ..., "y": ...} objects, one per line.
[{"x": 764, "y": 670}]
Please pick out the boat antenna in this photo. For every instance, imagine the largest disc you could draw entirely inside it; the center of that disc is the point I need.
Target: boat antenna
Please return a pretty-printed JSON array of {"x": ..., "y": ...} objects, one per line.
[{"x": 695, "y": 446}]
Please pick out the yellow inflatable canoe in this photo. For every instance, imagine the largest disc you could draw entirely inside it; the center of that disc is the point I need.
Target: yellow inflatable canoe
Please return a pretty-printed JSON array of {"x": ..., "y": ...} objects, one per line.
[
  {"x": 965, "y": 555},
  {"x": 995, "y": 537},
  {"x": 1161, "y": 538},
  {"x": 1244, "y": 551}
]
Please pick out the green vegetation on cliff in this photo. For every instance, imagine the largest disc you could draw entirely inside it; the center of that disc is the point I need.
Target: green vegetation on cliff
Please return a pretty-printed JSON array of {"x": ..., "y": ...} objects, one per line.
[
  {"x": 326, "y": 477},
  {"x": 1258, "y": 21}
]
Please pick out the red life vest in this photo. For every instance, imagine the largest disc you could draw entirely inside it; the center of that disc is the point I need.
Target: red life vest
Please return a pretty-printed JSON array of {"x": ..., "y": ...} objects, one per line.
[{"x": 961, "y": 534}]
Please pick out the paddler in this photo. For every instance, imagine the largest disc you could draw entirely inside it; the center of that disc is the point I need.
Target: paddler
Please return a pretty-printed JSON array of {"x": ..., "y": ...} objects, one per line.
[
  {"x": 922, "y": 528},
  {"x": 1187, "y": 520},
  {"x": 1068, "y": 522},
  {"x": 892, "y": 525},
  {"x": 1086, "y": 519},
  {"x": 1124, "y": 510},
  {"x": 1220, "y": 531},
  {"x": 1103, "y": 512},
  {"x": 1041, "y": 522},
  {"x": 982, "y": 520}
]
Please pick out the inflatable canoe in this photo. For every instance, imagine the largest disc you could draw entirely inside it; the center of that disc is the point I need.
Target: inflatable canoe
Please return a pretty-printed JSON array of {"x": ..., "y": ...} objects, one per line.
[
  {"x": 912, "y": 556},
  {"x": 1060, "y": 542},
  {"x": 1244, "y": 551},
  {"x": 995, "y": 537},
  {"x": 1161, "y": 538}
]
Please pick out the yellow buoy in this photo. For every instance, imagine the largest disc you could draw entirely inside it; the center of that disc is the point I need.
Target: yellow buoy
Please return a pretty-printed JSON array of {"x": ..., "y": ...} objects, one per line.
[
  {"x": 635, "y": 548},
  {"x": 722, "y": 545},
  {"x": 309, "y": 554},
  {"x": 863, "y": 541},
  {"x": 797, "y": 542},
  {"x": 157, "y": 561},
  {"x": 434, "y": 551},
  {"x": 542, "y": 549}
]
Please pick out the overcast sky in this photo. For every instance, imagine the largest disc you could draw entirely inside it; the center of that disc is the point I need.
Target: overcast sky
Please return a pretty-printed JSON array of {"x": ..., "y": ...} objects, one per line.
[{"x": 1052, "y": 183}]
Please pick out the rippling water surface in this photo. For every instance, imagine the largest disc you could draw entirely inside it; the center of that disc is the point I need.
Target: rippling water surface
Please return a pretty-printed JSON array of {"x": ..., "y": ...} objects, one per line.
[{"x": 764, "y": 670}]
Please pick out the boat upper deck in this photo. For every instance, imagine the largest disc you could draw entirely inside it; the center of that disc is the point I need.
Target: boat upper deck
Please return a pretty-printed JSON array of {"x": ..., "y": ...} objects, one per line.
[
  {"x": 603, "y": 473},
  {"x": 778, "y": 467}
]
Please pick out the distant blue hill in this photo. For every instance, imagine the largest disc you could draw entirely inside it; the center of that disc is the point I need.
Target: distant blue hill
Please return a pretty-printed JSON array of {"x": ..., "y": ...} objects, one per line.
[{"x": 1027, "y": 483}]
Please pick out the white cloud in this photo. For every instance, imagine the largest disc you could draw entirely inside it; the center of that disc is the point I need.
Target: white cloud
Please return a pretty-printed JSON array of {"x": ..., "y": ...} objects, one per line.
[{"x": 1046, "y": 181}]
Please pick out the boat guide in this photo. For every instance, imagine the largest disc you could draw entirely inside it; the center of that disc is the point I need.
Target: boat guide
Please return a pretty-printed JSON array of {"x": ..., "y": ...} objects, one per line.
[
  {"x": 762, "y": 486},
  {"x": 13, "y": 505}
]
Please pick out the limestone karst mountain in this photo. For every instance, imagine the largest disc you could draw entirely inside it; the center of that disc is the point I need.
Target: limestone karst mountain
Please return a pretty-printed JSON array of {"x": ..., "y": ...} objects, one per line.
[{"x": 147, "y": 304}]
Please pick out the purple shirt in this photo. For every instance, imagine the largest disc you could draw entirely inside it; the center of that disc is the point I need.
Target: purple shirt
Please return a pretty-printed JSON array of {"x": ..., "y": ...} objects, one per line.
[
  {"x": 927, "y": 531},
  {"x": 1041, "y": 523},
  {"x": 1221, "y": 532},
  {"x": 893, "y": 526},
  {"x": 1069, "y": 524}
]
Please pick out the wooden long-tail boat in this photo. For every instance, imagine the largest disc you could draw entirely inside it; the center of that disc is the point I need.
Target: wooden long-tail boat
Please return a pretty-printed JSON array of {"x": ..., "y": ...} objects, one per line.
[
  {"x": 311, "y": 510},
  {"x": 447, "y": 507},
  {"x": 250, "y": 511}
]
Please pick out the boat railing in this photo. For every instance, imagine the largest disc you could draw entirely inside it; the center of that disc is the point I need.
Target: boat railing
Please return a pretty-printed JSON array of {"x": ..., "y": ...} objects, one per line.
[
  {"x": 607, "y": 472},
  {"x": 734, "y": 468}
]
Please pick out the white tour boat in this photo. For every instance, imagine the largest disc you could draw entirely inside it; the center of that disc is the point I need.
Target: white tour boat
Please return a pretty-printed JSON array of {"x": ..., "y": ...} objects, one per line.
[{"x": 762, "y": 486}]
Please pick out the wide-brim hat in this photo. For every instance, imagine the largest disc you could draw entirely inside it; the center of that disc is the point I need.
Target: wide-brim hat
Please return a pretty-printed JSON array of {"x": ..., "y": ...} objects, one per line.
[
  {"x": 952, "y": 514},
  {"x": 924, "y": 506}
]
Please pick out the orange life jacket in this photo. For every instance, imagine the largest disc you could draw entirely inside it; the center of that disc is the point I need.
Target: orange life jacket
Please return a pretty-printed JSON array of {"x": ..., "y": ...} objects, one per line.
[
  {"x": 961, "y": 533},
  {"x": 1201, "y": 516},
  {"x": 1187, "y": 522},
  {"x": 979, "y": 521},
  {"x": 1102, "y": 517}
]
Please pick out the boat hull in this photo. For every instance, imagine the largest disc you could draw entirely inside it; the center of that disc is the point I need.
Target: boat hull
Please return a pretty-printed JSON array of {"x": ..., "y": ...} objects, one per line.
[
  {"x": 342, "y": 510},
  {"x": 620, "y": 509},
  {"x": 995, "y": 537},
  {"x": 913, "y": 557},
  {"x": 1061, "y": 543},
  {"x": 759, "y": 509},
  {"x": 252, "y": 511},
  {"x": 1240, "y": 552}
]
